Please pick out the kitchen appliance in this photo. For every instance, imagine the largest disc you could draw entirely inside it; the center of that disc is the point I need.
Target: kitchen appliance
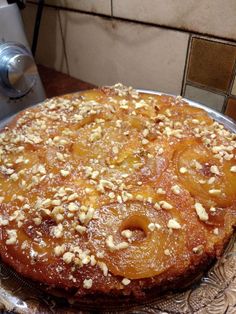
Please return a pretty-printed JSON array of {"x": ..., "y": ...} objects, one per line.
[{"x": 20, "y": 84}]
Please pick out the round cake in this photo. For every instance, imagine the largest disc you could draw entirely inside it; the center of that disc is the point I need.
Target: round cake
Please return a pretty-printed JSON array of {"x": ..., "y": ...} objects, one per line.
[{"x": 112, "y": 191}]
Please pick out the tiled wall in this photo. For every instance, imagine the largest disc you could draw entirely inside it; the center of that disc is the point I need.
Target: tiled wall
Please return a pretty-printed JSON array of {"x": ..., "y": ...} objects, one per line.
[
  {"x": 210, "y": 74},
  {"x": 183, "y": 47}
]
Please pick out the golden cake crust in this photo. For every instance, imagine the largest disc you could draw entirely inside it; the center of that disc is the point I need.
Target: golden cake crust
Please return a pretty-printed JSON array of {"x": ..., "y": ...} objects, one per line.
[{"x": 115, "y": 191}]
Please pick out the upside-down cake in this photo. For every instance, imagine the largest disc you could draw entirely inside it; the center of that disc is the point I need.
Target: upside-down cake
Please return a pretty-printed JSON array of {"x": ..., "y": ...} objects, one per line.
[{"x": 113, "y": 191}]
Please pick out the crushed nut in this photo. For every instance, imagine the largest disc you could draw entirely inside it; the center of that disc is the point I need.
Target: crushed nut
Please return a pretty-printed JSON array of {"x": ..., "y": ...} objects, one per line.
[
  {"x": 125, "y": 281},
  {"x": 87, "y": 283},
  {"x": 176, "y": 189},
  {"x": 198, "y": 249},
  {"x": 68, "y": 257},
  {"x": 215, "y": 170},
  {"x": 165, "y": 205},
  {"x": 183, "y": 170},
  {"x": 112, "y": 247},
  {"x": 126, "y": 233},
  {"x": 64, "y": 173},
  {"x": 233, "y": 169},
  {"x": 173, "y": 224},
  {"x": 201, "y": 212}
]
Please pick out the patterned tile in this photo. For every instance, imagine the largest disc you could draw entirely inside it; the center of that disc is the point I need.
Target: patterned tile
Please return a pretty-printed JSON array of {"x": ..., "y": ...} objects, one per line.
[
  {"x": 205, "y": 97},
  {"x": 231, "y": 108},
  {"x": 211, "y": 64}
]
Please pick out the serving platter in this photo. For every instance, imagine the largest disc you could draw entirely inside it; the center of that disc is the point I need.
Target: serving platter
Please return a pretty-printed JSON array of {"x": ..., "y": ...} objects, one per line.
[{"x": 212, "y": 292}]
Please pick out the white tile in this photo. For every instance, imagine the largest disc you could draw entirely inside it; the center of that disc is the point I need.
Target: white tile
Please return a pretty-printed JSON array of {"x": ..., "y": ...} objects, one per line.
[
  {"x": 50, "y": 50},
  {"x": 233, "y": 92},
  {"x": 104, "y": 52},
  {"x": 208, "y": 17},
  {"x": 210, "y": 99},
  {"x": 95, "y": 6}
]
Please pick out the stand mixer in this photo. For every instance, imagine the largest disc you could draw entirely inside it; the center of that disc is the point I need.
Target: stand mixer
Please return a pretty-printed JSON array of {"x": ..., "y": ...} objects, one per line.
[{"x": 20, "y": 84}]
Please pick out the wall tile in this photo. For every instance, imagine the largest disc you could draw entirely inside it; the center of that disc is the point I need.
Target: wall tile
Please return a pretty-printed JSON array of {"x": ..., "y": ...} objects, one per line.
[
  {"x": 50, "y": 50},
  {"x": 231, "y": 108},
  {"x": 204, "y": 97},
  {"x": 102, "y": 51},
  {"x": 233, "y": 91},
  {"x": 95, "y": 6},
  {"x": 208, "y": 17},
  {"x": 211, "y": 63}
]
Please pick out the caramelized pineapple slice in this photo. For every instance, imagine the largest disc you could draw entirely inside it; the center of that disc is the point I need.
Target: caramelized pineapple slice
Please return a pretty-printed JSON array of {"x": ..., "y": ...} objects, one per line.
[
  {"x": 184, "y": 112},
  {"x": 151, "y": 242},
  {"x": 205, "y": 176}
]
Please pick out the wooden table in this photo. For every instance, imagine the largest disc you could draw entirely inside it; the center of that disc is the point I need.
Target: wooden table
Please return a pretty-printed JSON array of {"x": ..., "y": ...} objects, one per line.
[{"x": 56, "y": 83}]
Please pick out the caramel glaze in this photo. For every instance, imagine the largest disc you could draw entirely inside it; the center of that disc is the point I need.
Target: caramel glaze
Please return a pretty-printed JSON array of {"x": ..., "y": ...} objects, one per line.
[{"x": 114, "y": 191}]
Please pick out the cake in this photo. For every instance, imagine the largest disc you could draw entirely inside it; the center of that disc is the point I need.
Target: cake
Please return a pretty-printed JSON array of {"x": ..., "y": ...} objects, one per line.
[{"x": 114, "y": 192}]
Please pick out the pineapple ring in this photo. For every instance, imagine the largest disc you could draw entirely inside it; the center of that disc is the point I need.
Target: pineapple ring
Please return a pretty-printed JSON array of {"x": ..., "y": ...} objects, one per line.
[
  {"x": 146, "y": 246},
  {"x": 203, "y": 175}
]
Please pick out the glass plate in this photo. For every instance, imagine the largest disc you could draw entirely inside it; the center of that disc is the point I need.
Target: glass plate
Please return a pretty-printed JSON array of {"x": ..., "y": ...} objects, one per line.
[{"x": 213, "y": 293}]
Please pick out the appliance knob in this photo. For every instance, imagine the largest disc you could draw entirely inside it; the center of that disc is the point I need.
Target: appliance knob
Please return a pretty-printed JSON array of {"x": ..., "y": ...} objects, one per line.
[{"x": 18, "y": 71}]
